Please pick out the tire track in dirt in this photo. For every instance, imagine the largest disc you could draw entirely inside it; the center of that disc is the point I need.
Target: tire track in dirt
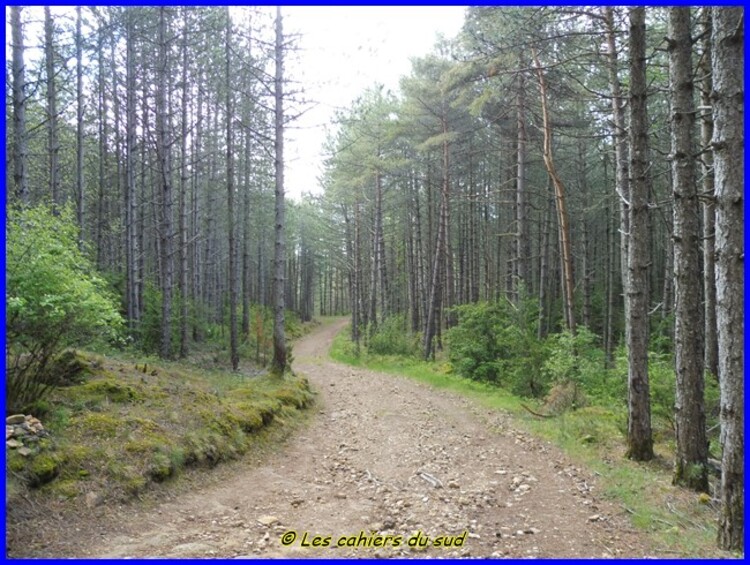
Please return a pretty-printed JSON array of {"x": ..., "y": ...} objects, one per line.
[{"x": 388, "y": 456}]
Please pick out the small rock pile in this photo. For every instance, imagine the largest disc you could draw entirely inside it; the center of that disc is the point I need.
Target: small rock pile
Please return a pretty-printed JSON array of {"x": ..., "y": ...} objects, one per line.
[{"x": 21, "y": 431}]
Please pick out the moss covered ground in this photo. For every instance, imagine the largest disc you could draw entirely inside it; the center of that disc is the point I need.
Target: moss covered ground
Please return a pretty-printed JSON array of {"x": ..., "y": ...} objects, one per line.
[{"x": 125, "y": 425}]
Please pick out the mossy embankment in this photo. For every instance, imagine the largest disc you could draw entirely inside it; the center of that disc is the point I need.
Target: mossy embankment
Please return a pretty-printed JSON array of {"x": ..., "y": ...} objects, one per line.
[{"x": 121, "y": 426}]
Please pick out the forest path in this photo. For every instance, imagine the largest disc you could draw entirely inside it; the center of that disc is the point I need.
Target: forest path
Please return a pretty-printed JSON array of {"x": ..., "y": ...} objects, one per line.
[{"x": 369, "y": 460}]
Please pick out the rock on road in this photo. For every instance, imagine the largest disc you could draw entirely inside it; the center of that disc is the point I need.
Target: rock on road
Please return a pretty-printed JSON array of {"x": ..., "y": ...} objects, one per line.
[{"x": 383, "y": 456}]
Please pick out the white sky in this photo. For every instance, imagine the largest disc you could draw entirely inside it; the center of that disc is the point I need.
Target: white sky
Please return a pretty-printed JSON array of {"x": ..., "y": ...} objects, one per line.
[{"x": 344, "y": 50}]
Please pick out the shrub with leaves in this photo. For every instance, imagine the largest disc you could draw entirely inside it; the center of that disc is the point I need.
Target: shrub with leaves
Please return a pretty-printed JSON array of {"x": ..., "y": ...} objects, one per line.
[
  {"x": 393, "y": 338},
  {"x": 54, "y": 299},
  {"x": 497, "y": 343}
]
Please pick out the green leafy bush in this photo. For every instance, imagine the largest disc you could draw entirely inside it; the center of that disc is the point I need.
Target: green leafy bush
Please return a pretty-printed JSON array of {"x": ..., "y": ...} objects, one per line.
[
  {"x": 662, "y": 382},
  {"x": 392, "y": 338},
  {"x": 497, "y": 343},
  {"x": 54, "y": 299},
  {"x": 579, "y": 360}
]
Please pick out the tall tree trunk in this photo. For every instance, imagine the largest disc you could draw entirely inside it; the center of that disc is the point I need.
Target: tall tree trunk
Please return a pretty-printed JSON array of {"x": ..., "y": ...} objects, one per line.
[
  {"x": 103, "y": 108},
  {"x": 522, "y": 249},
  {"x": 640, "y": 442},
  {"x": 20, "y": 143},
  {"x": 435, "y": 296},
  {"x": 450, "y": 286},
  {"x": 585, "y": 243},
  {"x": 711, "y": 356},
  {"x": 544, "y": 266},
  {"x": 611, "y": 253},
  {"x": 380, "y": 236},
  {"x": 246, "y": 242},
  {"x": 198, "y": 175},
  {"x": 562, "y": 210},
  {"x": 131, "y": 239},
  {"x": 372, "y": 318},
  {"x": 119, "y": 159},
  {"x": 421, "y": 269},
  {"x": 182, "y": 199},
  {"x": 438, "y": 279},
  {"x": 234, "y": 353},
  {"x": 356, "y": 280},
  {"x": 165, "y": 184},
  {"x": 279, "y": 364},
  {"x": 691, "y": 455},
  {"x": 53, "y": 144},
  {"x": 80, "y": 180},
  {"x": 728, "y": 143},
  {"x": 622, "y": 164}
]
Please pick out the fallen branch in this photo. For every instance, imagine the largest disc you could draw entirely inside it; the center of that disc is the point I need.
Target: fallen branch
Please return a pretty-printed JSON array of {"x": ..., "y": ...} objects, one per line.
[{"x": 530, "y": 411}]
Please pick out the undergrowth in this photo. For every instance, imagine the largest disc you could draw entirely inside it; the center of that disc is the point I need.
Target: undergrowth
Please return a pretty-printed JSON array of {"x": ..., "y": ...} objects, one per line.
[{"x": 129, "y": 425}]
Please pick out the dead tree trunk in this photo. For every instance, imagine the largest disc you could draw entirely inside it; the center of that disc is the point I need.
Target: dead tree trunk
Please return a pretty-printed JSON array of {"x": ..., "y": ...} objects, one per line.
[{"x": 562, "y": 211}]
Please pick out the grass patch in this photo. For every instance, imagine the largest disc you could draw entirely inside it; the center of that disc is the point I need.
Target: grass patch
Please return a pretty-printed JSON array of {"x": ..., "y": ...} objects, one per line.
[
  {"x": 680, "y": 522},
  {"x": 130, "y": 425}
]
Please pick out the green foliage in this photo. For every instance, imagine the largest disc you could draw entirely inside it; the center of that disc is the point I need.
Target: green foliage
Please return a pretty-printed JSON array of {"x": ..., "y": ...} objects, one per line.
[
  {"x": 661, "y": 339},
  {"x": 497, "y": 343},
  {"x": 149, "y": 330},
  {"x": 117, "y": 437},
  {"x": 578, "y": 359},
  {"x": 393, "y": 338},
  {"x": 54, "y": 300},
  {"x": 661, "y": 378}
]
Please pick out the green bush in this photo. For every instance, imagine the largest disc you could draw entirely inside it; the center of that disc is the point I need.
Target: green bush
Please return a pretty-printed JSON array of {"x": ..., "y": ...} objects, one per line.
[
  {"x": 392, "y": 338},
  {"x": 497, "y": 343},
  {"x": 662, "y": 382},
  {"x": 149, "y": 330},
  {"x": 54, "y": 300},
  {"x": 579, "y": 360}
]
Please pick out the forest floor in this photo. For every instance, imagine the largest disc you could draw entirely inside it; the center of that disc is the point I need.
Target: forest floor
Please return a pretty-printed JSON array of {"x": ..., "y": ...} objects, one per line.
[{"x": 385, "y": 467}]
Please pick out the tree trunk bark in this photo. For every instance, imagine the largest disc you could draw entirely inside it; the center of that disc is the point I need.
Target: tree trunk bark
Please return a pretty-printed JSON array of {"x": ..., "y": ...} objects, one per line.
[
  {"x": 53, "y": 144},
  {"x": 80, "y": 180},
  {"x": 728, "y": 143},
  {"x": 165, "y": 171},
  {"x": 562, "y": 211},
  {"x": 585, "y": 244},
  {"x": 131, "y": 239},
  {"x": 279, "y": 364},
  {"x": 622, "y": 165},
  {"x": 357, "y": 279},
  {"x": 544, "y": 266},
  {"x": 522, "y": 249},
  {"x": 234, "y": 353},
  {"x": 711, "y": 356},
  {"x": 691, "y": 465},
  {"x": 640, "y": 442},
  {"x": 20, "y": 138},
  {"x": 182, "y": 227}
]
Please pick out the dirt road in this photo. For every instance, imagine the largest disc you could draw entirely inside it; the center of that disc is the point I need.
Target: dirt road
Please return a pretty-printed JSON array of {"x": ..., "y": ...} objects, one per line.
[{"x": 387, "y": 467}]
